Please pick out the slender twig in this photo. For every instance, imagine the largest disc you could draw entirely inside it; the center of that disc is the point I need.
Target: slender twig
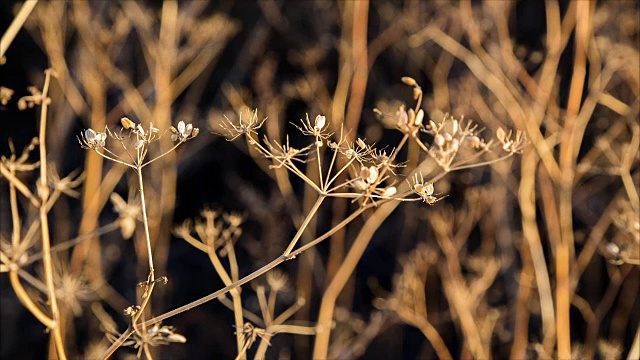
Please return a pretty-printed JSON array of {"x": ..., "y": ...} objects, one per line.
[
  {"x": 227, "y": 280},
  {"x": 427, "y": 329},
  {"x": 43, "y": 191},
  {"x": 28, "y": 303},
  {"x": 16, "y": 25},
  {"x": 15, "y": 216},
  {"x": 150, "y": 284},
  {"x": 310, "y": 215},
  {"x": 146, "y": 224},
  {"x": 20, "y": 186},
  {"x": 70, "y": 243}
]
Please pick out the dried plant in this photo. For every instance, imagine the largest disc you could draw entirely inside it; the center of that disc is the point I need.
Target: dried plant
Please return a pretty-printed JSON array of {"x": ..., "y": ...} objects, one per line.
[
  {"x": 486, "y": 206},
  {"x": 134, "y": 142}
]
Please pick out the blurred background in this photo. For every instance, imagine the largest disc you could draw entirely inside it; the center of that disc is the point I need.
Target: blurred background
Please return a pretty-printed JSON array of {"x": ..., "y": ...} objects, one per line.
[{"x": 476, "y": 273}]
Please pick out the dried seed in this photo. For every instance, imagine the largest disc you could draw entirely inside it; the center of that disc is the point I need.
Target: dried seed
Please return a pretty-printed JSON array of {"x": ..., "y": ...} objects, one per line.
[{"x": 409, "y": 81}]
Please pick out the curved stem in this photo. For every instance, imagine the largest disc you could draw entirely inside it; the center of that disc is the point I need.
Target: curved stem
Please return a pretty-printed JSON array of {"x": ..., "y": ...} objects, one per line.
[
  {"x": 27, "y": 302},
  {"x": 428, "y": 330}
]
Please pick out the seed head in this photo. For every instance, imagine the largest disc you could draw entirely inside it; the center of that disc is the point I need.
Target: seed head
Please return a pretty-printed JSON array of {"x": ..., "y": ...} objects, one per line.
[
  {"x": 92, "y": 139},
  {"x": 183, "y": 132}
]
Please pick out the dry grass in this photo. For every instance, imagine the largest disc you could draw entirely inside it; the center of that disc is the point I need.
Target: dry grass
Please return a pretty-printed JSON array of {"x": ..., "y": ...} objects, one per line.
[{"x": 486, "y": 206}]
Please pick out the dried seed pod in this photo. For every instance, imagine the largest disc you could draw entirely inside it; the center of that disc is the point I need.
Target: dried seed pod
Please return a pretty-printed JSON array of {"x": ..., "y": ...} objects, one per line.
[
  {"x": 360, "y": 185},
  {"x": 127, "y": 123},
  {"x": 417, "y": 92},
  {"x": 409, "y": 81},
  {"x": 364, "y": 173},
  {"x": 419, "y": 118},
  {"x": 373, "y": 174},
  {"x": 403, "y": 118},
  {"x": 127, "y": 227},
  {"x": 390, "y": 191},
  {"x": 411, "y": 116},
  {"x": 100, "y": 139},
  {"x": 500, "y": 134},
  {"x": 90, "y": 135},
  {"x": 424, "y": 189},
  {"x": 320, "y": 122}
]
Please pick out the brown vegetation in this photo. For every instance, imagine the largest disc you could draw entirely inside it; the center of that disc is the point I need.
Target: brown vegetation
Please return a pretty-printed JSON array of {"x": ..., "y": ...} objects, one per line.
[{"x": 408, "y": 179}]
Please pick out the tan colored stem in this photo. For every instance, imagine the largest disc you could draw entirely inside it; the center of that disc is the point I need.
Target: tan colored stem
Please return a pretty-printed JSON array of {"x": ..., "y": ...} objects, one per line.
[
  {"x": 359, "y": 59},
  {"x": 22, "y": 295},
  {"x": 150, "y": 284},
  {"x": 457, "y": 292},
  {"x": 235, "y": 295},
  {"x": 27, "y": 302},
  {"x": 531, "y": 233},
  {"x": 15, "y": 216},
  {"x": 16, "y": 25},
  {"x": 521, "y": 326},
  {"x": 428, "y": 330},
  {"x": 43, "y": 191},
  {"x": 145, "y": 221},
  {"x": 20, "y": 186},
  {"x": 306, "y": 221},
  {"x": 343, "y": 274},
  {"x": 568, "y": 153},
  {"x": 164, "y": 73}
]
